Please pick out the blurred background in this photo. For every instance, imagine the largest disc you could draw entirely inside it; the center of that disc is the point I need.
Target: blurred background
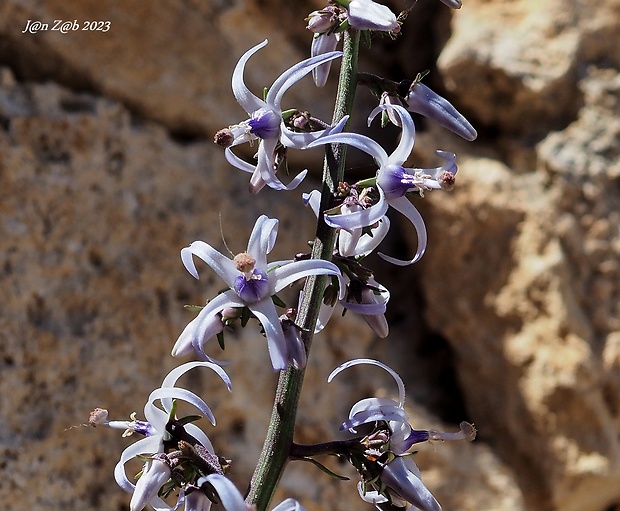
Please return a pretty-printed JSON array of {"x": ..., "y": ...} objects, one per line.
[{"x": 510, "y": 321}]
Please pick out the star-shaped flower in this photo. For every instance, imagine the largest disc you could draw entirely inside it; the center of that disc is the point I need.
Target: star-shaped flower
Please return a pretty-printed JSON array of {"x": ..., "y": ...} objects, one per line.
[
  {"x": 154, "y": 431},
  {"x": 252, "y": 283},
  {"x": 266, "y": 122},
  {"x": 394, "y": 180},
  {"x": 400, "y": 477}
]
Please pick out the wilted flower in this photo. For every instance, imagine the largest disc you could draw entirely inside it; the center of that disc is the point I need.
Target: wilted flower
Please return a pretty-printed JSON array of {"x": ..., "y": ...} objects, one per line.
[{"x": 252, "y": 283}]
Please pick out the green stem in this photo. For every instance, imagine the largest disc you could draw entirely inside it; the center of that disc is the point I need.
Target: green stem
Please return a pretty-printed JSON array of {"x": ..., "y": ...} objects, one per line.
[{"x": 279, "y": 440}]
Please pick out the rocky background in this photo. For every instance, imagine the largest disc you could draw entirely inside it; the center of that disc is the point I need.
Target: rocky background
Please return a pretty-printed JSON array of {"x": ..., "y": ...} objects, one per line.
[{"x": 511, "y": 320}]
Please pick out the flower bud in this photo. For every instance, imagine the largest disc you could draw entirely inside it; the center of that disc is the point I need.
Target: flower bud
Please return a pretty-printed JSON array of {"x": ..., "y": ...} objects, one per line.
[{"x": 369, "y": 15}]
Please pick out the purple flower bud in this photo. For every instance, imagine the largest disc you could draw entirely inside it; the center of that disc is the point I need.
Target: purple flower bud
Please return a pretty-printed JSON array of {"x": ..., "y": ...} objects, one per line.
[
  {"x": 254, "y": 288},
  {"x": 323, "y": 20},
  {"x": 424, "y": 101},
  {"x": 369, "y": 15}
]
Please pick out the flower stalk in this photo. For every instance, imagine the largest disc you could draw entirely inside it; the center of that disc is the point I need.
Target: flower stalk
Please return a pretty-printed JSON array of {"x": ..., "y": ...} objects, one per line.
[{"x": 279, "y": 439}]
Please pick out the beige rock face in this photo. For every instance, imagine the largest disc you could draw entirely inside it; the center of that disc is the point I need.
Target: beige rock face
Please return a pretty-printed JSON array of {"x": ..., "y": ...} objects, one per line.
[{"x": 511, "y": 320}]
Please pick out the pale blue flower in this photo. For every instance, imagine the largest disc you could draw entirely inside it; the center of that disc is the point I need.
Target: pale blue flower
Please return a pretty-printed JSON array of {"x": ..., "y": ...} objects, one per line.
[
  {"x": 154, "y": 430},
  {"x": 400, "y": 475},
  {"x": 252, "y": 282},
  {"x": 266, "y": 124},
  {"x": 394, "y": 180}
]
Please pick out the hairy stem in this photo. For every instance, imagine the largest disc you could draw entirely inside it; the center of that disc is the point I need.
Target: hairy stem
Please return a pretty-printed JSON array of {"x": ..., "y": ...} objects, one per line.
[{"x": 279, "y": 441}]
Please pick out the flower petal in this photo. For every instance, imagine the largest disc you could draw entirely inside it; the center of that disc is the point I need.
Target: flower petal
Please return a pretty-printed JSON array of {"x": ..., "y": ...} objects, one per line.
[
  {"x": 248, "y": 101},
  {"x": 172, "y": 377},
  {"x": 220, "y": 264},
  {"x": 237, "y": 162},
  {"x": 403, "y": 205},
  {"x": 294, "y": 139},
  {"x": 289, "y": 273},
  {"x": 262, "y": 240},
  {"x": 312, "y": 199},
  {"x": 407, "y": 137},
  {"x": 227, "y": 492},
  {"x": 397, "y": 476},
  {"x": 368, "y": 243},
  {"x": 266, "y": 313},
  {"x": 185, "y": 395},
  {"x": 148, "y": 445},
  {"x": 361, "y": 142},
  {"x": 369, "y": 361},
  {"x": 321, "y": 44},
  {"x": 288, "y": 505},
  {"x": 294, "y": 74},
  {"x": 196, "y": 330}
]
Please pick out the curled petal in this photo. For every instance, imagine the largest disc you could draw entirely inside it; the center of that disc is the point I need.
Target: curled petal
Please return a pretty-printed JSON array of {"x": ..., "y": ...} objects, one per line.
[
  {"x": 248, "y": 101},
  {"x": 292, "y": 272},
  {"x": 294, "y": 74},
  {"x": 177, "y": 372},
  {"x": 148, "y": 445},
  {"x": 186, "y": 344},
  {"x": 221, "y": 264},
  {"x": 361, "y": 142},
  {"x": 237, "y": 162},
  {"x": 369, "y": 361},
  {"x": 403, "y": 205},
  {"x": 407, "y": 137},
  {"x": 178, "y": 393},
  {"x": 288, "y": 505},
  {"x": 312, "y": 199},
  {"x": 373, "y": 305},
  {"x": 393, "y": 413},
  {"x": 196, "y": 330}
]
